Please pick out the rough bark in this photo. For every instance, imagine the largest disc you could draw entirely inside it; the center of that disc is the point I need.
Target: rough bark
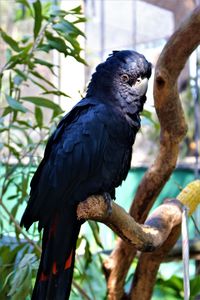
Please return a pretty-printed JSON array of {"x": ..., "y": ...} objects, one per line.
[
  {"x": 145, "y": 237},
  {"x": 173, "y": 128},
  {"x": 147, "y": 268}
]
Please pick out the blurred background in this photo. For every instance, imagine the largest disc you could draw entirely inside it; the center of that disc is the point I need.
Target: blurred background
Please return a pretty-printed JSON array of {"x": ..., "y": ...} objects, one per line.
[{"x": 48, "y": 51}]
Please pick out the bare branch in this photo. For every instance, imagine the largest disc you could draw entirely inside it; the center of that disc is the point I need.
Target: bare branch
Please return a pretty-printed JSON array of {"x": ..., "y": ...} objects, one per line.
[
  {"x": 144, "y": 237},
  {"x": 147, "y": 268}
]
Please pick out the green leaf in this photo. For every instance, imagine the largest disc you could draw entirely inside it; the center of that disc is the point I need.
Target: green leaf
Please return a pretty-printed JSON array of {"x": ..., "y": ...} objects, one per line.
[
  {"x": 46, "y": 7},
  {"x": 56, "y": 43},
  {"x": 16, "y": 105},
  {"x": 80, "y": 20},
  {"x": 87, "y": 254},
  {"x": 44, "y": 63},
  {"x": 147, "y": 114},
  {"x": 57, "y": 93},
  {"x": 26, "y": 4},
  {"x": 174, "y": 283},
  {"x": 195, "y": 286},
  {"x": 11, "y": 83},
  {"x": 7, "y": 111},
  {"x": 38, "y": 17},
  {"x": 26, "y": 38},
  {"x": 12, "y": 197},
  {"x": 9, "y": 40},
  {"x": 21, "y": 58},
  {"x": 95, "y": 230},
  {"x": 20, "y": 283},
  {"x": 24, "y": 185},
  {"x": 78, "y": 58},
  {"x": 74, "y": 43},
  {"x": 8, "y": 54},
  {"x": 14, "y": 210},
  {"x": 21, "y": 74},
  {"x": 2, "y": 130},
  {"x": 44, "y": 103},
  {"x": 1, "y": 77},
  {"x": 44, "y": 47},
  {"x": 58, "y": 13},
  {"x": 39, "y": 84},
  {"x": 65, "y": 27},
  {"x": 79, "y": 241},
  {"x": 24, "y": 123},
  {"x": 39, "y": 116},
  {"x": 13, "y": 151},
  {"x": 38, "y": 75},
  {"x": 59, "y": 45},
  {"x": 77, "y": 10}
]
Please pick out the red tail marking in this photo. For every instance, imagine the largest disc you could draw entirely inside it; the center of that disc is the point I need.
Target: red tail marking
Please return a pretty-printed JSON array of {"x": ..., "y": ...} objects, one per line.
[
  {"x": 53, "y": 226},
  {"x": 69, "y": 261},
  {"x": 54, "y": 268},
  {"x": 43, "y": 277}
]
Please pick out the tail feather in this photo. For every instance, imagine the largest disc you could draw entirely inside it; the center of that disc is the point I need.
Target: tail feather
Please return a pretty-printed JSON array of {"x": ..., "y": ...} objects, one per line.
[
  {"x": 55, "y": 271},
  {"x": 59, "y": 286}
]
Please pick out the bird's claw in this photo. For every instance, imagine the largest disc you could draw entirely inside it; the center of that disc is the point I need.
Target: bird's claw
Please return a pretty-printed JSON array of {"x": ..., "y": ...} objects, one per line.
[{"x": 108, "y": 200}]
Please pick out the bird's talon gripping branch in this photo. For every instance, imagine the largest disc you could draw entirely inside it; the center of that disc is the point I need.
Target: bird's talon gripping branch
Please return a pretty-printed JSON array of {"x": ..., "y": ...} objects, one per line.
[{"x": 108, "y": 201}]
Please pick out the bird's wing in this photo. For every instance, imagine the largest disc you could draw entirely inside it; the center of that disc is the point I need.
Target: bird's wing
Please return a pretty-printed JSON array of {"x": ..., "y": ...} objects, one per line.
[{"x": 80, "y": 159}]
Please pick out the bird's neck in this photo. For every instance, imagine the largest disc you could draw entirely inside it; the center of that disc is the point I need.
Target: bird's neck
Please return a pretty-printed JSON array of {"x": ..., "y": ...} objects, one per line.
[
  {"x": 122, "y": 103},
  {"x": 130, "y": 108}
]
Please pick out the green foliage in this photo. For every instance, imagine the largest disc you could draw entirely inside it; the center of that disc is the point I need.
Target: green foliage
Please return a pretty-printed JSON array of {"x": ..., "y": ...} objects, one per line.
[
  {"x": 26, "y": 122},
  {"x": 172, "y": 288},
  {"x": 18, "y": 267}
]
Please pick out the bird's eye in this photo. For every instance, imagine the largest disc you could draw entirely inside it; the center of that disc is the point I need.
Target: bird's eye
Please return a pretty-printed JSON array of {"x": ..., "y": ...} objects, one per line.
[
  {"x": 138, "y": 80},
  {"x": 125, "y": 78}
]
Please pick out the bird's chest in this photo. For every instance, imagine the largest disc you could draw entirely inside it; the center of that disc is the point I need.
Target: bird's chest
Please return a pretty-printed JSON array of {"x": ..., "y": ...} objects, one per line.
[
  {"x": 123, "y": 166},
  {"x": 118, "y": 157}
]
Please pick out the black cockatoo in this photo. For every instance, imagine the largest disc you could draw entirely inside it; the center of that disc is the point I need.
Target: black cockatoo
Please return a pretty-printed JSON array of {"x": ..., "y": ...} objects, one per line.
[{"x": 88, "y": 154}]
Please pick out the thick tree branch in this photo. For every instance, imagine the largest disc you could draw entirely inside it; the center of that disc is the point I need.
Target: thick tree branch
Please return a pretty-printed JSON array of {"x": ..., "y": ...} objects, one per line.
[
  {"x": 145, "y": 237},
  {"x": 147, "y": 268}
]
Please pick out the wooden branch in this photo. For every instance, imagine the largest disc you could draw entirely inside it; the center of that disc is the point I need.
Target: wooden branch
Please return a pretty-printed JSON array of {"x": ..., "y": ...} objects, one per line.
[
  {"x": 147, "y": 268},
  {"x": 145, "y": 237}
]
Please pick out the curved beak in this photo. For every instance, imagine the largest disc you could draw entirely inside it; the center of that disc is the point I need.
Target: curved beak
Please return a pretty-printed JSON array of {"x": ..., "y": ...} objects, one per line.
[{"x": 141, "y": 86}]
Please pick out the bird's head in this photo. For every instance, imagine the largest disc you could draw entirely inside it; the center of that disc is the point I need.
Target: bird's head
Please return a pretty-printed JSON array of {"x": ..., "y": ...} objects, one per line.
[{"x": 123, "y": 77}]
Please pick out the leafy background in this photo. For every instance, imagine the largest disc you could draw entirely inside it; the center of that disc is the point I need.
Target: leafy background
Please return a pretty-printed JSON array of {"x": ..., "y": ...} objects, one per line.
[{"x": 26, "y": 121}]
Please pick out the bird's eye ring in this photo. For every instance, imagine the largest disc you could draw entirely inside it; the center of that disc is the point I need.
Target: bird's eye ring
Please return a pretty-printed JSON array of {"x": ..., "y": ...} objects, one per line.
[
  {"x": 138, "y": 80},
  {"x": 125, "y": 78}
]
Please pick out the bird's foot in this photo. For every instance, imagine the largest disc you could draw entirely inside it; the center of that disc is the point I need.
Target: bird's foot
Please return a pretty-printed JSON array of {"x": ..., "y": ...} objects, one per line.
[{"x": 108, "y": 200}]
